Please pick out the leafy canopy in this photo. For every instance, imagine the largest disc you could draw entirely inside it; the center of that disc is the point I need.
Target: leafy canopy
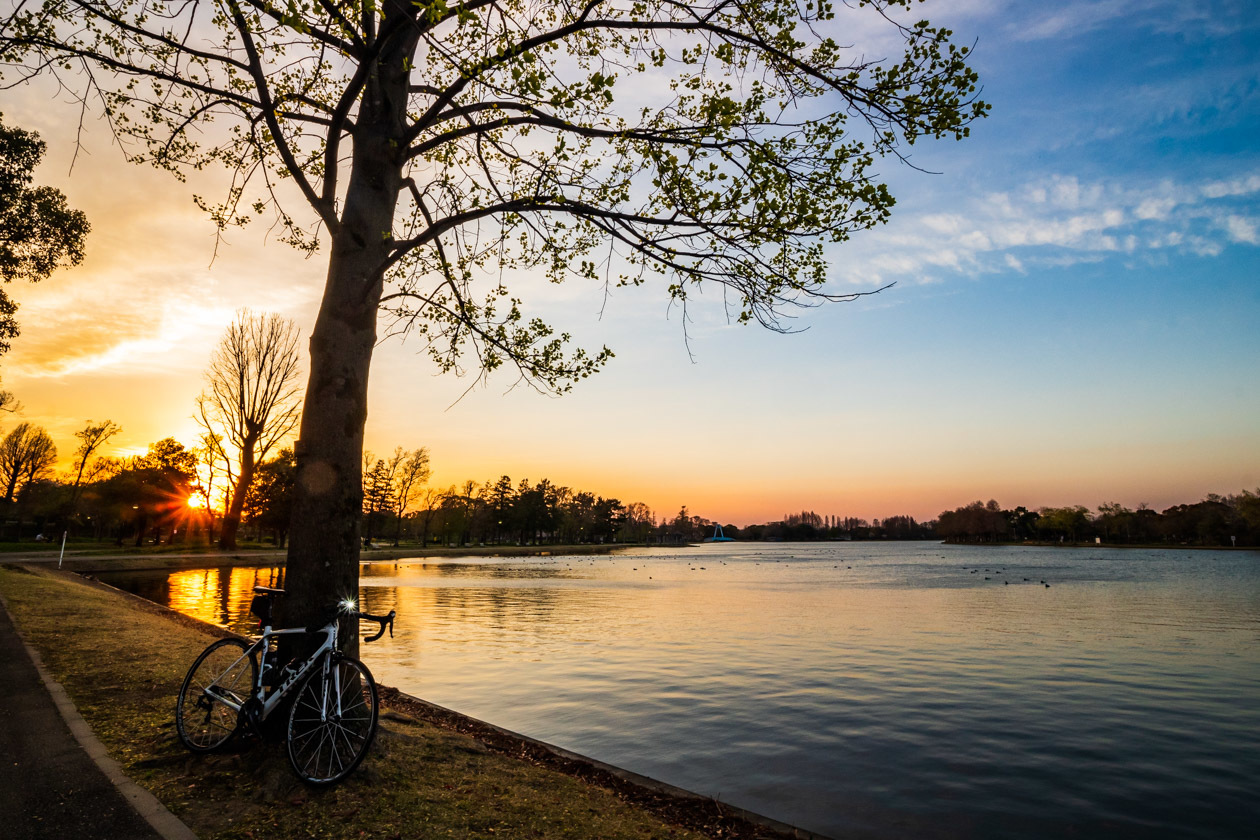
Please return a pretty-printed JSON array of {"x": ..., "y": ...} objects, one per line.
[
  {"x": 38, "y": 232},
  {"x": 714, "y": 142}
]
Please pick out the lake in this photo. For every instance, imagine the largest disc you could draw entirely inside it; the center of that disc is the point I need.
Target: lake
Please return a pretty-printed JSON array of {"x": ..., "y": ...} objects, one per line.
[{"x": 866, "y": 690}]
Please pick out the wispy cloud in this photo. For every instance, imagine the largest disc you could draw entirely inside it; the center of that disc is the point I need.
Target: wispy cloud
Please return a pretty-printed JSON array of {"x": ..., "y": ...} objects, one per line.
[
  {"x": 1074, "y": 19},
  {"x": 1057, "y": 221},
  {"x": 141, "y": 326},
  {"x": 1242, "y": 229}
]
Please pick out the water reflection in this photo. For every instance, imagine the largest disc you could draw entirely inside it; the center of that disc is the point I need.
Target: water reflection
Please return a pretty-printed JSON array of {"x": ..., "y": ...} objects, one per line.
[
  {"x": 859, "y": 690},
  {"x": 216, "y": 595}
]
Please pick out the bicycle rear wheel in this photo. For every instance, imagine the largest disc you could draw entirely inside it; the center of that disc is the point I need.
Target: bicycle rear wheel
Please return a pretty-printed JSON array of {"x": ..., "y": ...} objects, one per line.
[
  {"x": 332, "y": 722},
  {"x": 217, "y": 685}
]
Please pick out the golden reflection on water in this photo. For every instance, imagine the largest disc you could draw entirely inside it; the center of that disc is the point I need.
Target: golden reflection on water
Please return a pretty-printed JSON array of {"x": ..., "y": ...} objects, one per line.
[{"x": 221, "y": 595}]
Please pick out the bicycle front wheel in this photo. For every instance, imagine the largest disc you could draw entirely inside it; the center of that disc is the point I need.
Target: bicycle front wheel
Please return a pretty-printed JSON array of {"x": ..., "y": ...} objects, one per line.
[
  {"x": 217, "y": 685},
  {"x": 333, "y": 721}
]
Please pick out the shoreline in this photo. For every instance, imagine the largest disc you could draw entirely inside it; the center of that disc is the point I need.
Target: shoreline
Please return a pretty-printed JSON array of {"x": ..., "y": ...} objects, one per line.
[
  {"x": 683, "y": 809},
  {"x": 157, "y": 561}
]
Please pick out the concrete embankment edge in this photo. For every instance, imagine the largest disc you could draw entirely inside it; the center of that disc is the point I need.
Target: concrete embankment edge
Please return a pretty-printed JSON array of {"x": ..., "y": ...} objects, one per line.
[{"x": 591, "y": 769}]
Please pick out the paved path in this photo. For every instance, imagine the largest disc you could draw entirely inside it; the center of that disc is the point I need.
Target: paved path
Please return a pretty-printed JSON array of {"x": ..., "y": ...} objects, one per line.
[
  {"x": 211, "y": 559},
  {"x": 49, "y": 786}
]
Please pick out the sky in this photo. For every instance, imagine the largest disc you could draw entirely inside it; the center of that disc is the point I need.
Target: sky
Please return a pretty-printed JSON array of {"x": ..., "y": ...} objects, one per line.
[{"x": 1074, "y": 319}]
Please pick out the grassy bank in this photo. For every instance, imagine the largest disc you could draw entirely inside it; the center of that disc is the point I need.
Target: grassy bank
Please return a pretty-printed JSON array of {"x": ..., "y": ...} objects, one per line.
[{"x": 122, "y": 660}]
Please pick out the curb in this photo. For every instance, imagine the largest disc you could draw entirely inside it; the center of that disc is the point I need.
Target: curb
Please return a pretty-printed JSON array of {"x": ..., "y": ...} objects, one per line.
[{"x": 145, "y": 804}]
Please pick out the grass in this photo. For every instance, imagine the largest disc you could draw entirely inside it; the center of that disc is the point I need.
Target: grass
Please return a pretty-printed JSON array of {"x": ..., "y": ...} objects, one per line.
[{"x": 122, "y": 661}]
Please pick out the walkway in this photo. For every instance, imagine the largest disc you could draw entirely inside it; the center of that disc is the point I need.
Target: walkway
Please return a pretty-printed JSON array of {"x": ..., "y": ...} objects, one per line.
[{"x": 49, "y": 786}]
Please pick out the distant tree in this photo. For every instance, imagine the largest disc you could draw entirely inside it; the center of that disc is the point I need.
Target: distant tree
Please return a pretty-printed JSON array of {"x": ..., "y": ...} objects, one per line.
[
  {"x": 684, "y": 525},
  {"x": 607, "y": 516},
  {"x": 150, "y": 491},
  {"x": 378, "y": 493},
  {"x": 1070, "y": 523},
  {"x": 501, "y": 498},
  {"x": 1022, "y": 523},
  {"x": 269, "y": 504},
  {"x": 637, "y": 524},
  {"x": 253, "y": 402},
  {"x": 91, "y": 438},
  {"x": 26, "y": 454},
  {"x": 411, "y": 472},
  {"x": 1247, "y": 504},
  {"x": 901, "y": 528},
  {"x": 459, "y": 509},
  {"x": 428, "y": 506},
  {"x": 537, "y": 510},
  {"x": 42, "y": 501},
  {"x": 38, "y": 232},
  {"x": 1209, "y": 522},
  {"x": 171, "y": 457},
  {"x": 976, "y": 522},
  {"x": 1113, "y": 520}
]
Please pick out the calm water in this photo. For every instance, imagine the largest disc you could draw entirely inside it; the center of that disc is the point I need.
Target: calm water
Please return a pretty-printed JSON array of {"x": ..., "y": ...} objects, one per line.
[{"x": 859, "y": 690}]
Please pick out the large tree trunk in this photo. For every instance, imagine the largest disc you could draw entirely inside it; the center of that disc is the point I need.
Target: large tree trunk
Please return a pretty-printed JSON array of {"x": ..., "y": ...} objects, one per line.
[
  {"x": 323, "y": 555},
  {"x": 324, "y": 543}
]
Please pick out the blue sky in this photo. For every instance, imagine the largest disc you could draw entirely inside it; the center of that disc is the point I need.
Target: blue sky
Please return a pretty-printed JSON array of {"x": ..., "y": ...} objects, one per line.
[{"x": 1074, "y": 319}]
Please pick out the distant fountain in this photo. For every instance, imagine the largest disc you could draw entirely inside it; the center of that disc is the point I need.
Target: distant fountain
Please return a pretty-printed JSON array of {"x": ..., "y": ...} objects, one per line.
[{"x": 718, "y": 536}]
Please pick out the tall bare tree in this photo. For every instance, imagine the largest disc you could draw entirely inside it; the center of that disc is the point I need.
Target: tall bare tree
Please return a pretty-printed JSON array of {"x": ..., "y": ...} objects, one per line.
[
  {"x": 26, "y": 454},
  {"x": 211, "y": 463},
  {"x": 251, "y": 403},
  {"x": 91, "y": 438},
  {"x": 447, "y": 149},
  {"x": 411, "y": 472}
]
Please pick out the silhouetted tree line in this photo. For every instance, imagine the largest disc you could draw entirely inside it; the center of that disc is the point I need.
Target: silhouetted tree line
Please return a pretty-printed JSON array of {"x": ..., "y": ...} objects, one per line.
[
  {"x": 161, "y": 497},
  {"x": 501, "y": 511},
  {"x": 1217, "y": 520},
  {"x": 140, "y": 498},
  {"x": 808, "y": 525},
  {"x": 168, "y": 495}
]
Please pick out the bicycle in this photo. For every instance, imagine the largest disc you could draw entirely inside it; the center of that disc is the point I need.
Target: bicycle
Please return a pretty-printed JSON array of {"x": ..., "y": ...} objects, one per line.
[{"x": 332, "y": 719}]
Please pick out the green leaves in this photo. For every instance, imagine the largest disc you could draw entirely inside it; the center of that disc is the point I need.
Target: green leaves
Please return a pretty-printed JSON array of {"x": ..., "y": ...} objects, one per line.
[
  {"x": 38, "y": 231},
  {"x": 706, "y": 143}
]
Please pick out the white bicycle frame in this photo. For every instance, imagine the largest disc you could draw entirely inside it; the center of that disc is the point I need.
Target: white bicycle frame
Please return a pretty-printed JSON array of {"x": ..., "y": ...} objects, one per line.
[{"x": 272, "y": 700}]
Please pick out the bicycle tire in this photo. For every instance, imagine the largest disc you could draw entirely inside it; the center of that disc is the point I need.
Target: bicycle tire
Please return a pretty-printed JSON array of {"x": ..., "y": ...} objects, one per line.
[
  {"x": 226, "y": 669},
  {"x": 327, "y": 739}
]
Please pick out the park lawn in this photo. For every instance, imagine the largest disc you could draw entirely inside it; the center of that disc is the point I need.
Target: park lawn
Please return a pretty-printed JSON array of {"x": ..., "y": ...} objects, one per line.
[{"x": 122, "y": 662}]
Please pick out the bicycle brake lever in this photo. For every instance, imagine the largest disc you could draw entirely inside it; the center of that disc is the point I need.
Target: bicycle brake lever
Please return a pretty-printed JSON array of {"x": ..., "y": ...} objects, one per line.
[{"x": 388, "y": 621}]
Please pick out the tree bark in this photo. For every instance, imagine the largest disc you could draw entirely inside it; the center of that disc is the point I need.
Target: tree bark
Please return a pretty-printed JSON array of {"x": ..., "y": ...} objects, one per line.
[{"x": 324, "y": 544}]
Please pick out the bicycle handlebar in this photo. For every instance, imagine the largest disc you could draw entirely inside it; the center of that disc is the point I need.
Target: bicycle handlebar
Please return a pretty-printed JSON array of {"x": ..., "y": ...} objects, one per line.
[{"x": 383, "y": 620}]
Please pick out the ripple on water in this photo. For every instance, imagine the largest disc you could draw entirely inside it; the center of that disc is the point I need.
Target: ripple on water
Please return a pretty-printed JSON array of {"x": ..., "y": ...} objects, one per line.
[{"x": 861, "y": 690}]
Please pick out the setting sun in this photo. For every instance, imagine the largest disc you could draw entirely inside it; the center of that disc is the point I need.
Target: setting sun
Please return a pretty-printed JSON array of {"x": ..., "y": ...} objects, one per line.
[{"x": 196, "y": 502}]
